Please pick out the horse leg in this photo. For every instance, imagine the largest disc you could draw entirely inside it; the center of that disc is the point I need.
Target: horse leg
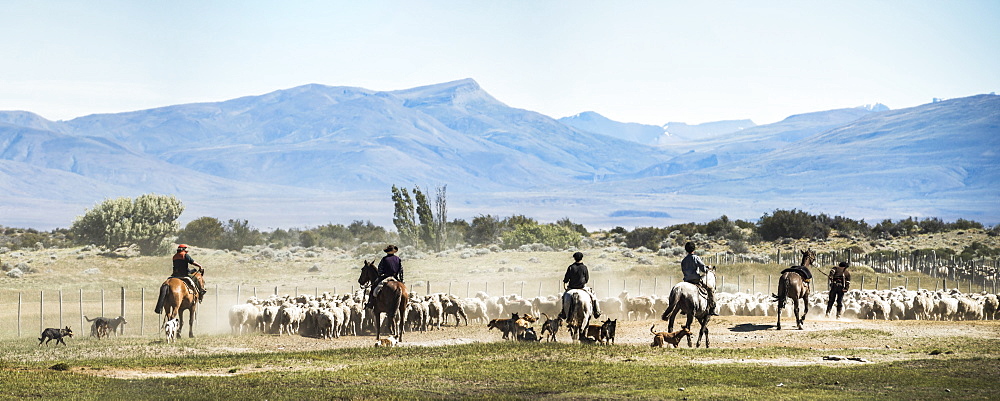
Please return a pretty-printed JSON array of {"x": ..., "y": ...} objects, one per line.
[
  {"x": 798, "y": 322},
  {"x": 780, "y": 308},
  {"x": 192, "y": 315},
  {"x": 690, "y": 318}
]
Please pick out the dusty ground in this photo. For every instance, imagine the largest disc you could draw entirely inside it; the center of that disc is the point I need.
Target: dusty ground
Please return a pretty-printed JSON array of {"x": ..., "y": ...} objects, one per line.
[{"x": 875, "y": 341}]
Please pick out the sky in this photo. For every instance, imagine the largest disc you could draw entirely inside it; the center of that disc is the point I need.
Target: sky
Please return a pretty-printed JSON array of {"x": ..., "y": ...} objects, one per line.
[{"x": 651, "y": 62}]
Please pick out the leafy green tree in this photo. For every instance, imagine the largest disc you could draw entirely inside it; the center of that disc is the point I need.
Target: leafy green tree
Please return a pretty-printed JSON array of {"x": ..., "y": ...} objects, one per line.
[
  {"x": 441, "y": 218},
  {"x": 579, "y": 228},
  {"x": 366, "y": 231},
  {"x": 425, "y": 216},
  {"x": 553, "y": 235},
  {"x": 790, "y": 224},
  {"x": 238, "y": 234},
  {"x": 484, "y": 230},
  {"x": 204, "y": 232},
  {"x": 403, "y": 217},
  {"x": 649, "y": 237},
  {"x": 145, "y": 221}
]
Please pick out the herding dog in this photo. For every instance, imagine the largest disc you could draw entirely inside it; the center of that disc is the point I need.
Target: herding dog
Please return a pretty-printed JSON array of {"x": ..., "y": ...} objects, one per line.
[
  {"x": 604, "y": 332},
  {"x": 662, "y": 338},
  {"x": 110, "y": 325},
  {"x": 550, "y": 326},
  {"x": 172, "y": 329},
  {"x": 50, "y": 334},
  {"x": 506, "y": 326},
  {"x": 523, "y": 324},
  {"x": 388, "y": 341}
]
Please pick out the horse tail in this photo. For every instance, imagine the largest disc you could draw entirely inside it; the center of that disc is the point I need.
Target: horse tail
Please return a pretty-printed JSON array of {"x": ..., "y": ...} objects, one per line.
[
  {"x": 674, "y": 299},
  {"x": 163, "y": 296},
  {"x": 783, "y": 283},
  {"x": 571, "y": 312}
]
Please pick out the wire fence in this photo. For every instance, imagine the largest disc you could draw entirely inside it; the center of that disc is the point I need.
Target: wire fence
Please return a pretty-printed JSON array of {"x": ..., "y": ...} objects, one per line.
[{"x": 25, "y": 314}]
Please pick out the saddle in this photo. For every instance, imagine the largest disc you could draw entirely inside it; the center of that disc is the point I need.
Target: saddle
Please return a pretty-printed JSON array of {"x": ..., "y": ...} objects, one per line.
[
  {"x": 378, "y": 287},
  {"x": 801, "y": 271},
  {"x": 187, "y": 280}
]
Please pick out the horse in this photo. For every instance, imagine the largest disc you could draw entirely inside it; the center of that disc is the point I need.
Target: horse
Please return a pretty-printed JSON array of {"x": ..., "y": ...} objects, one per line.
[
  {"x": 178, "y": 296},
  {"x": 578, "y": 308},
  {"x": 793, "y": 285},
  {"x": 393, "y": 300},
  {"x": 688, "y": 298}
]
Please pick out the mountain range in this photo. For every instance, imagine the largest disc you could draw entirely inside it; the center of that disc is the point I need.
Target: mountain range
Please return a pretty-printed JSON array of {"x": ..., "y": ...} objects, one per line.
[{"x": 315, "y": 154}]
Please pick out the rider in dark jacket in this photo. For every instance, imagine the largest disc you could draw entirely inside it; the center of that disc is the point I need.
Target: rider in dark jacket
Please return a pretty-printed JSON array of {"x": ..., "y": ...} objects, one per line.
[
  {"x": 840, "y": 282},
  {"x": 389, "y": 266},
  {"x": 694, "y": 269},
  {"x": 182, "y": 261},
  {"x": 576, "y": 278}
]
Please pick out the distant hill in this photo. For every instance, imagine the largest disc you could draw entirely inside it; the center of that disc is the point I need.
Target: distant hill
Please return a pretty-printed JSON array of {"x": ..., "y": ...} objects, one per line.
[{"x": 315, "y": 154}]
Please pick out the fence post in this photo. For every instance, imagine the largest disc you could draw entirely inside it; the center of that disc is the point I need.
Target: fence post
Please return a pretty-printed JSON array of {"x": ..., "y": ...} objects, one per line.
[
  {"x": 739, "y": 280},
  {"x": 640, "y": 286},
  {"x": 862, "y": 283},
  {"x": 769, "y": 283},
  {"x": 123, "y": 310},
  {"x": 753, "y": 285},
  {"x": 876, "y": 283},
  {"x": 102, "y": 302},
  {"x": 217, "y": 319},
  {"x": 918, "y": 282},
  {"x": 61, "y": 311},
  {"x": 522, "y": 289},
  {"x": 19, "y": 314},
  {"x": 41, "y": 311},
  {"x": 81, "y": 309},
  {"x": 142, "y": 311}
]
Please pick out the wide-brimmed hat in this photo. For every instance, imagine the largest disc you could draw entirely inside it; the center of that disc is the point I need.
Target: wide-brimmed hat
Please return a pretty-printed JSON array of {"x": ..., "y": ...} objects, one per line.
[{"x": 390, "y": 249}]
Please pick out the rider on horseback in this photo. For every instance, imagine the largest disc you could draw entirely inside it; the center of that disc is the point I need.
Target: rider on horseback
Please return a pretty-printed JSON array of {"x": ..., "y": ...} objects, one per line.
[
  {"x": 182, "y": 270},
  {"x": 694, "y": 269},
  {"x": 389, "y": 266},
  {"x": 576, "y": 278}
]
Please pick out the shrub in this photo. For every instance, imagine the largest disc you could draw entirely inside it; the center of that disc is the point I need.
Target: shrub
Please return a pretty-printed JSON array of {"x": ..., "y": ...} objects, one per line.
[
  {"x": 552, "y": 235},
  {"x": 120, "y": 222},
  {"x": 649, "y": 237},
  {"x": 790, "y": 224},
  {"x": 204, "y": 232}
]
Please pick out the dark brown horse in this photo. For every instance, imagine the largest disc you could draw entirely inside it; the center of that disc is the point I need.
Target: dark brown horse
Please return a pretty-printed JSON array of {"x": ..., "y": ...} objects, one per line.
[
  {"x": 178, "y": 297},
  {"x": 793, "y": 285},
  {"x": 393, "y": 300}
]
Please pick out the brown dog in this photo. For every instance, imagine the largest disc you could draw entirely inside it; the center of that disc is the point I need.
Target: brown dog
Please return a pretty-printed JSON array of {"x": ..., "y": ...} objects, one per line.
[
  {"x": 506, "y": 326},
  {"x": 550, "y": 326},
  {"x": 523, "y": 324},
  {"x": 662, "y": 338}
]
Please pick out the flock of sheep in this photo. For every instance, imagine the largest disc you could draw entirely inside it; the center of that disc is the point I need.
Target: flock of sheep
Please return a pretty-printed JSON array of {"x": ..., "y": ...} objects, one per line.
[{"x": 331, "y": 315}]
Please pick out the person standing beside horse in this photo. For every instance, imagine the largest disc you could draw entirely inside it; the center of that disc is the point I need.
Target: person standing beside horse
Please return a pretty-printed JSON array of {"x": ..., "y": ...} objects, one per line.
[
  {"x": 694, "y": 269},
  {"x": 389, "y": 266},
  {"x": 182, "y": 262},
  {"x": 576, "y": 278},
  {"x": 840, "y": 282}
]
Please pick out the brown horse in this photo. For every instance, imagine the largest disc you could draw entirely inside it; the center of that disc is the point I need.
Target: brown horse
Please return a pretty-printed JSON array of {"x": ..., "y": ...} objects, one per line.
[
  {"x": 393, "y": 300},
  {"x": 178, "y": 296},
  {"x": 793, "y": 285}
]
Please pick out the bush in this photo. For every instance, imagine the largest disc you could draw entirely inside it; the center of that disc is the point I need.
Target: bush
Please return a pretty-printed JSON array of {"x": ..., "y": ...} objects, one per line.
[
  {"x": 790, "y": 224},
  {"x": 238, "y": 234},
  {"x": 205, "y": 232},
  {"x": 552, "y": 235},
  {"x": 484, "y": 230},
  {"x": 649, "y": 237},
  {"x": 115, "y": 223}
]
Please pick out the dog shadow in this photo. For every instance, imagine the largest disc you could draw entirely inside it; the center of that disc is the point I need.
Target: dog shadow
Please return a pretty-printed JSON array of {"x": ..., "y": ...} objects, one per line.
[{"x": 748, "y": 327}]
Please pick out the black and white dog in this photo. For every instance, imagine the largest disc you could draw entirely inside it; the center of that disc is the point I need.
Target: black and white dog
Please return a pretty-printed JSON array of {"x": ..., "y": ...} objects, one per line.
[{"x": 50, "y": 334}]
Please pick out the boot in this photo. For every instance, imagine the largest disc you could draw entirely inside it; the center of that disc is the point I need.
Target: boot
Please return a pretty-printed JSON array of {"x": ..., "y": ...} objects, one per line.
[
  {"x": 838, "y": 311},
  {"x": 828, "y": 309},
  {"x": 597, "y": 310}
]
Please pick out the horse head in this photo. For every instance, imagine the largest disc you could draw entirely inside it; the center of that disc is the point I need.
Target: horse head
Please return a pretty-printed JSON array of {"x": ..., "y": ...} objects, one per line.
[
  {"x": 808, "y": 257},
  {"x": 369, "y": 273},
  {"x": 709, "y": 277},
  {"x": 200, "y": 276}
]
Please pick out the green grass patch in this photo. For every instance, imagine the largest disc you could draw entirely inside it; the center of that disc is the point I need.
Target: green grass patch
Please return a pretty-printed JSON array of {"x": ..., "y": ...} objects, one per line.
[{"x": 505, "y": 371}]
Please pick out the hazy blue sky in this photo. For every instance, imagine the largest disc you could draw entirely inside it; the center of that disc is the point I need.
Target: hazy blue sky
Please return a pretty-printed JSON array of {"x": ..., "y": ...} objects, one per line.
[{"x": 650, "y": 62}]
